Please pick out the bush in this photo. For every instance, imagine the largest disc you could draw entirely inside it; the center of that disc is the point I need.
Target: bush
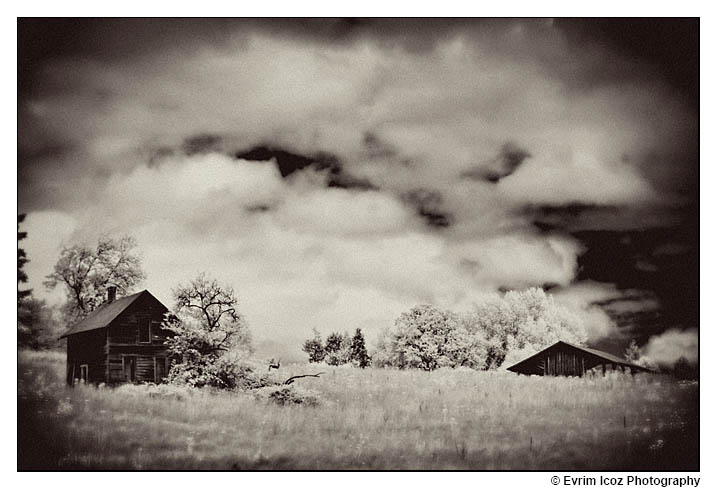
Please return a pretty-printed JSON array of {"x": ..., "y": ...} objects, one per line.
[
  {"x": 290, "y": 395},
  {"x": 226, "y": 372}
]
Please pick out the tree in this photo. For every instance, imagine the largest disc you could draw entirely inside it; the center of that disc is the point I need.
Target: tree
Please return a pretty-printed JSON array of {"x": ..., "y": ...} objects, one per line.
[
  {"x": 21, "y": 261},
  {"x": 209, "y": 335},
  {"x": 632, "y": 353},
  {"x": 86, "y": 272},
  {"x": 37, "y": 327},
  {"x": 427, "y": 337},
  {"x": 521, "y": 321},
  {"x": 357, "y": 351},
  {"x": 314, "y": 347},
  {"x": 337, "y": 349}
]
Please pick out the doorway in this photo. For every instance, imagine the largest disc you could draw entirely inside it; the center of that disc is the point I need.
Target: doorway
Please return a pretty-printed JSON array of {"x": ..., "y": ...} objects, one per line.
[
  {"x": 128, "y": 366},
  {"x": 160, "y": 369}
]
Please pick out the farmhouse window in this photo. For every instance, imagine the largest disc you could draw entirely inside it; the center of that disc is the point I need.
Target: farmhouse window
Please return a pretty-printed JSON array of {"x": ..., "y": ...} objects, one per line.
[
  {"x": 146, "y": 333},
  {"x": 155, "y": 328}
]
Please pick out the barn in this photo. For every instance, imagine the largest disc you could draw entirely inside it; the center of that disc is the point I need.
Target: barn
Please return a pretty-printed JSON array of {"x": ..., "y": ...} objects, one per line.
[
  {"x": 119, "y": 342},
  {"x": 564, "y": 359}
]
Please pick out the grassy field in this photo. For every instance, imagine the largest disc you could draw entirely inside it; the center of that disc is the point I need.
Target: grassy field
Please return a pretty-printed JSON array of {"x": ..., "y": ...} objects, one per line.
[{"x": 367, "y": 419}]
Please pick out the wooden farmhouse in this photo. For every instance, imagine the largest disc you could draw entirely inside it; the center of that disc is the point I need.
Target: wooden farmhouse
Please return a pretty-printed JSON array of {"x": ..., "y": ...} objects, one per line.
[
  {"x": 564, "y": 359},
  {"x": 119, "y": 342}
]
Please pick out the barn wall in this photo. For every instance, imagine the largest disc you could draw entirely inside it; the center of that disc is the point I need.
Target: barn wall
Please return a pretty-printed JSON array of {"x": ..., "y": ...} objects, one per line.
[
  {"x": 566, "y": 360},
  {"x": 87, "y": 348}
]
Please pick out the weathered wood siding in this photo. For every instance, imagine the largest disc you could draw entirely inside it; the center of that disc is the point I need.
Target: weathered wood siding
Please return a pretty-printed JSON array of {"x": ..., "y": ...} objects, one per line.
[
  {"x": 136, "y": 341},
  {"x": 562, "y": 359},
  {"x": 87, "y": 348}
]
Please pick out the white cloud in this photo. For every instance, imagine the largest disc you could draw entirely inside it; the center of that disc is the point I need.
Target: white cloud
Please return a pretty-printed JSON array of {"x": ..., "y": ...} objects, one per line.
[
  {"x": 666, "y": 348},
  {"x": 47, "y": 233},
  {"x": 334, "y": 259}
]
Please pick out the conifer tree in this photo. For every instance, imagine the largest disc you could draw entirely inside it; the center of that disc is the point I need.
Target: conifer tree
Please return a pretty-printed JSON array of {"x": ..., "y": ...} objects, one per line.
[{"x": 358, "y": 353}]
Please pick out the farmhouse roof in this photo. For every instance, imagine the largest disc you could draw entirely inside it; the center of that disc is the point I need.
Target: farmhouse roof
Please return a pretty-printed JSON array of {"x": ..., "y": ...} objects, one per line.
[
  {"x": 598, "y": 353},
  {"x": 105, "y": 314}
]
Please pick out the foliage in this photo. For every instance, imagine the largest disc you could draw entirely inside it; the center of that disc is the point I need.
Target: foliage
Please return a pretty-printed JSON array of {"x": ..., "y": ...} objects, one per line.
[
  {"x": 21, "y": 261},
  {"x": 37, "y": 327},
  {"x": 358, "y": 354},
  {"x": 499, "y": 330},
  {"x": 526, "y": 320},
  {"x": 209, "y": 336},
  {"x": 290, "y": 395},
  {"x": 427, "y": 337},
  {"x": 314, "y": 347},
  {"x": 633, "y": 352},
  {"x": 85, "y": 273},
  {"x": 337, "y": 349}
]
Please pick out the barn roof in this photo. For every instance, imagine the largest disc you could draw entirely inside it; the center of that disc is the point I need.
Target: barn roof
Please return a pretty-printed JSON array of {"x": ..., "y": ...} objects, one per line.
[
  {"x": 103, "y": 316},
  {"x": 598, "y": 353}
]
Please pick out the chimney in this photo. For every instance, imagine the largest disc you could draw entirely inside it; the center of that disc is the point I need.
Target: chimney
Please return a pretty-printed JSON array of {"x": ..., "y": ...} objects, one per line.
[{"x": 111, "y": 293}]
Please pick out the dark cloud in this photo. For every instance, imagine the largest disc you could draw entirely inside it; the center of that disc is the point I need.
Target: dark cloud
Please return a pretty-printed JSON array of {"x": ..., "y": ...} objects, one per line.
[
  {"x": 509, "y": 159},
  {"x": 626, "y": 256},
  {"x": 428, "y": 204},
  {"x": 376, "y": 147},
  {"x": 567, "y": 217},
  {"x": 258, "y": 208},
  {"x": 670, "y": 44},
  {"x": 288, "y": 163},
  {"x": 201, "y": 143}
]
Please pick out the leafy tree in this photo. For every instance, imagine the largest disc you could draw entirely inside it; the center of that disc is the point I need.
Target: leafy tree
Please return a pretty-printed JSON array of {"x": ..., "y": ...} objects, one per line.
[
  {"x": 21, "y": 261},
  {"x": 85, "y": 273},
  {"x": 632, "y": 353},
  {"x": 337, "y": 349},
  {"x": 357, "y": 350},
  {"x": 521, "y": 321},
  {"x": 209, "y": 335},
  {"x": 427, "y": 337},
  {"x": 314, "y": 347}
]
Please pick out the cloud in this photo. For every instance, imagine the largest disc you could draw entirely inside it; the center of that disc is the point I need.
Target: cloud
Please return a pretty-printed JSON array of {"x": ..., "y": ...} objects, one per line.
[
  {"x": 317, "y": 165},
  {"x": 665, "y": 349},
  {"x": 509, "y": 159},
  {"x": 47, "y": 233},
  {"x": 306, "y": 255}
]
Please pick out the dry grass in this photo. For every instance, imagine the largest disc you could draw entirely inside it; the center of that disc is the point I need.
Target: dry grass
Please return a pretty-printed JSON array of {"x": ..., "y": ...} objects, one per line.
[{"x": 367, "y": 419}]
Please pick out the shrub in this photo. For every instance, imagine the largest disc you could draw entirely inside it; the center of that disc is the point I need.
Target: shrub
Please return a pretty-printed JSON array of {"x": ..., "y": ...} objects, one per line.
[
  {"x": 227, "y": 372},
  {"x": 289, "y": 395}
]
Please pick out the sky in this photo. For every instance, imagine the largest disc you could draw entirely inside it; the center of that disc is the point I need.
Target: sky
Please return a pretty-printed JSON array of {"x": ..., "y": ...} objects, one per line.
[{"x": 337, "y": 172}]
